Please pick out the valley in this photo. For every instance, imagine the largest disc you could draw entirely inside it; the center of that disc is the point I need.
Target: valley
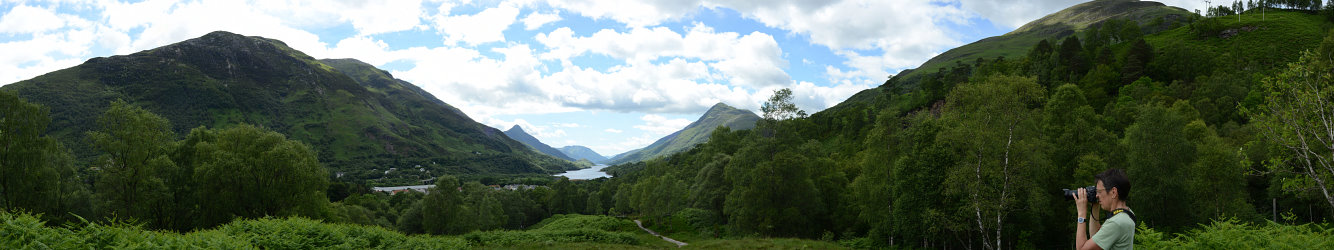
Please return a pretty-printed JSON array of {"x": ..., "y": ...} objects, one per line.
[{"x": 236, "y": 140}]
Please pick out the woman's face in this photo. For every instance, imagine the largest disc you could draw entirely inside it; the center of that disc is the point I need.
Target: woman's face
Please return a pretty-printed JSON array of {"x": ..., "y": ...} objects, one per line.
[{"x": 1103, "y": 197}]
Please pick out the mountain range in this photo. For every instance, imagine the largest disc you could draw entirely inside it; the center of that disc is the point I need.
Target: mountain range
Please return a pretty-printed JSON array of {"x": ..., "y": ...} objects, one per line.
[
  {"x": 697, "y": 132},
  {"x": 359, "y": 118},
  {"x": 580, "y": 152},
  {"x": 518, "y": 134}
]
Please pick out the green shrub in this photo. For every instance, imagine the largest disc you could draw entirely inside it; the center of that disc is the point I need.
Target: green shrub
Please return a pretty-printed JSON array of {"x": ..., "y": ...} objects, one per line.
[
  {"x": 24, "y": 231},
  {"x": 689, "y": 222},
  {"x": 563, "y": 228},
  {"x": 577, "y": 221},
  {"x": 511, "y": 238},
  {"x": 1231, "y": 234},
  {"x": 1207, "y": 27}
]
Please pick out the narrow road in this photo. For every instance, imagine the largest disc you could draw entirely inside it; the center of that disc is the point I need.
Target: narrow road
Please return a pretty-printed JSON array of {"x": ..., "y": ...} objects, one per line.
[{"x": 678, "y": 243}]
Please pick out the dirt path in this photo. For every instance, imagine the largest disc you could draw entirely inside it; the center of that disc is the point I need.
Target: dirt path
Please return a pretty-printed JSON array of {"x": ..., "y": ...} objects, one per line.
[{"x": 678, "y": 243}]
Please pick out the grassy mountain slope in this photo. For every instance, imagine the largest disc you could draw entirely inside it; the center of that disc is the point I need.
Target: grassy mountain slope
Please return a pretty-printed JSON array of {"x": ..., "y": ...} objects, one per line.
[
  {"x": 622, "y": 154},
  {"x": 357, "y": 117},
  {"x": 697, "y": 132},
  {"x": 581, "y": 152},
  {"x": 518, "y": 134},
  {"x": 1152, "y": 17},
  {"x": 1259, "y": 42}
]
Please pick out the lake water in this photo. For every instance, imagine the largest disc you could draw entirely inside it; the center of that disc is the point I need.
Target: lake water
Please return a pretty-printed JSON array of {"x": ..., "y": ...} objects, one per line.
[{"x": 587, "y": 173}]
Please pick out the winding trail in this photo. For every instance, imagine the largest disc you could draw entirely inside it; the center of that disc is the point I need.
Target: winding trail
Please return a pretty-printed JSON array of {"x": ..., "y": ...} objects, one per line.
[{"x": 678, "y": 243}]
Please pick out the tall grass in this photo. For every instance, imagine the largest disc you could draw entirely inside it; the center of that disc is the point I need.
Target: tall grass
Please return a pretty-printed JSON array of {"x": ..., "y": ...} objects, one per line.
[
  {"x": 25, "y": 231},
  {"x": 19, "y": 230}
]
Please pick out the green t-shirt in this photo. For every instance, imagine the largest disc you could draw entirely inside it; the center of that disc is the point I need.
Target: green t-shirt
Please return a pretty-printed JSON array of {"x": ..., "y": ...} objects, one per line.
[{"x": 1117, "y": 232}]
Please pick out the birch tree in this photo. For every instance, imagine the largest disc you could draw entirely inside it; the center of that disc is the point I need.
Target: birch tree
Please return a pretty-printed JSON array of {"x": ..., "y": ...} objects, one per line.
[
  {"x": 1298, "y": 115},
  {"x": 993, "y": 128}
]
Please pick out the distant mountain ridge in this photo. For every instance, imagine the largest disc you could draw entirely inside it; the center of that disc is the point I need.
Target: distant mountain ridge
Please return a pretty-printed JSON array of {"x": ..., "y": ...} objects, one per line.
[
  {"x": 580, "y": 152},
  {"x": 518, "y": 134},
  {"x": 357, "y": 117},
  {"x": 697, "y": 132}
]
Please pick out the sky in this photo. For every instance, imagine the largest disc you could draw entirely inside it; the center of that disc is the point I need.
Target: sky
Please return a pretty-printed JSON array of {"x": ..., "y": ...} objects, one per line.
[{"x": 612, "y": 75}]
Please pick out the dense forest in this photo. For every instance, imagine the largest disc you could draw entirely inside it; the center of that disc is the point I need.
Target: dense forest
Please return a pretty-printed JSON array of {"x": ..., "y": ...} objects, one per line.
[
  {"x": 1209, "y": 127},
  {"x": 1221, "y": 124}
]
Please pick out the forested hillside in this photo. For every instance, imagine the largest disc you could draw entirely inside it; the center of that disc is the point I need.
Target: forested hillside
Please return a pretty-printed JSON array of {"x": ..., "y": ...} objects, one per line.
[
  {"x": 972, "y": 155},
  {"x": 359, "y": 119},
  {"x": 1112, "y": 20}
]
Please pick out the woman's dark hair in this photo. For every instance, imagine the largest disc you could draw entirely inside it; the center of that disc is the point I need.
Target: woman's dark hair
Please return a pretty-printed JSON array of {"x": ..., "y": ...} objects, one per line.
[{"x": 1115, "y": 178}]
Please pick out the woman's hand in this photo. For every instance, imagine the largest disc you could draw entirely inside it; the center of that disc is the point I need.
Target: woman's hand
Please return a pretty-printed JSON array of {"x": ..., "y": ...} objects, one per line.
[{"x": 1081, "y": 202}]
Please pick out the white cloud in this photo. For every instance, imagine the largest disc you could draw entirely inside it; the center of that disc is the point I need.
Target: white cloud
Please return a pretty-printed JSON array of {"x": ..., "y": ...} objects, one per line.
[
  {"x": 126, "y": 16},
  {"x": 813, "y": 98},
  {"x": 367, "y": 17},
  {"x": 904, "y": 39},
  {"x": 365, "y": 49},
  {"x": 659, "y": 125},
  {"x": 483, "y": 27},
  {"x": 25, "y": 19},
  {"x": 613, "y": 131},
  {"x": 627, "y": 144},
  {"x": 543, "y": 133},
  {"x": 632, "y": 13},
  {"x": 194, "y": 19},
  {"x": 910, "y": 34},
  {"x": 10, "y": 73},
  {"x": 555, "y": 133},
  {"x": 536, "y": 20},
  {"x": 45, "y": 52},
  {"x": 754, "y": 60},
  {"x": 866, "y": 70},
  {"x": 381, "y": 17},
  {"x": 676, "y": 86},
  {"x": 1014, "y": 13},
  {"x": 622, "y": 141},
  {"x": 483, "y": 86}
]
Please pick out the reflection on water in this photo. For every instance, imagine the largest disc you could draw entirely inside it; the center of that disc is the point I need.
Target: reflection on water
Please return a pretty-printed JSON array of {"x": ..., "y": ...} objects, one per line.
[{"x": 587, "y": 173}]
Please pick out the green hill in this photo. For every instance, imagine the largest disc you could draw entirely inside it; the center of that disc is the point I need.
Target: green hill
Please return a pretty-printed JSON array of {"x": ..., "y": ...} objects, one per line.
[
  {"x": 581, "y": 152},
  {"x": 518, "y": 134},
  {"x": 357, "y": 117},
  {"x": 1151, "y": 17},
  {"x": 697, "y": 132}
]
